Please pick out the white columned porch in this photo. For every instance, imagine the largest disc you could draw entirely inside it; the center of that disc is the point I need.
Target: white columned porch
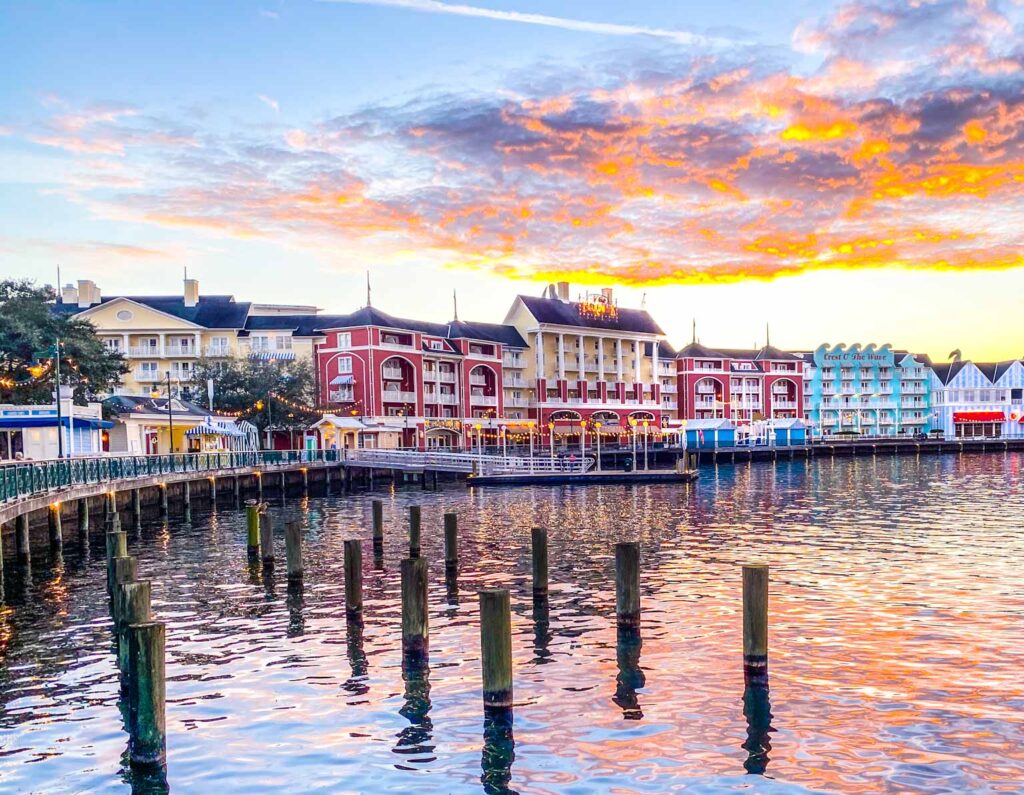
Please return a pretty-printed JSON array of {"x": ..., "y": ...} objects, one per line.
[
  {"x": 618, "y": 361},
  {"x": 600, "y": 358},
  {"x": 561, "y": 357}
]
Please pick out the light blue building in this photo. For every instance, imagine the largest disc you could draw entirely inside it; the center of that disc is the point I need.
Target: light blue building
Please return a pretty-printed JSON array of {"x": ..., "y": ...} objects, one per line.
[
  {"x": 869, "y": 390},
  {"x": 979, "y": 400}
]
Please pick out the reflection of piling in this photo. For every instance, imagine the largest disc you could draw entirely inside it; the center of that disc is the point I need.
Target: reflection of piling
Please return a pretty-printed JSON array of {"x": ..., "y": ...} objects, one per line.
[
  {"x": 630, "y": 677},
  {"x": 378, "y": 525},
  {"x": 293, "y": 550},
  {"x": 147, "y": 723},
  {"x": 266, "y": 526},
  {"x": 541, "y": 630},
  {"x": 627, "y": 584},
  {"x": 137, "y": 508},
  {"x": 163, "y": 500},
  {"x": 356, "y": 684},
  {"x": 414, "y": 531},
  {"x": 757, "y": 709},
  {"x": 415, "y": 623},
  {"x": 499, "y": 752},
  {"x": 755, "y": 626},
  {"x": 539, "y": 545},
  {"x": 83, "y": 515},
  {"x": 22, "y": 539},
  {"x": 496, "y": 647},
  {"x": 186, "y": 497},
  {"x": 354, "y": 579},
  {"x": 451, "y": 542},
  {"x": 252, "y": 524},
  {"x": 55, "y": 528},
  {"x": 416, "y": 738}
]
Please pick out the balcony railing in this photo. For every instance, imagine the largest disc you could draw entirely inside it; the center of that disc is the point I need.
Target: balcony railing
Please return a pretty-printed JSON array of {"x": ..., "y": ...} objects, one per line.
[
  {"x": 478, "y": 380},
  {"x": 783, "y": 404},
  {"x": 446, "y": 376},
  {"x": 151, "y": 351},
  {"x": 513, "y": 380},
  {"x": 217, "y": 350},
  {"x": 396, "y": 396},
  {"x": 146, "y": 376},
  {"x": 394, "y": 373},
  {"x": 513, "y": 361},
  {"x": 340, "y": 396},
  {"x": 483, "y": 400},
  {"x": 181, "y": 350},
  {"x": 444, "y": 398}
]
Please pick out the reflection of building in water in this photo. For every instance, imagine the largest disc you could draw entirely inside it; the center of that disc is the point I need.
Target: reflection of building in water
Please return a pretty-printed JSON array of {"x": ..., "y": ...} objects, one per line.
[
  {"x": 499, "y": 752},
  {"x": 415, "y": 741},
  {"x": 757, "y": 709}
]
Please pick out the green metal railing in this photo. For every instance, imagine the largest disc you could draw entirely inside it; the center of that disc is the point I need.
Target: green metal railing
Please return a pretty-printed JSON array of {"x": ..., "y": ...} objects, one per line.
[{"x": 33, "y": 478}]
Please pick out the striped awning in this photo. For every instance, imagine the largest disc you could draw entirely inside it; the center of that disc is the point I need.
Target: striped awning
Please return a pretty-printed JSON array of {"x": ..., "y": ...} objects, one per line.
[
  {"x": 212, "y": 429},
  {"x": 342, "y": 379},
  {"x": 272, "y": 356}
]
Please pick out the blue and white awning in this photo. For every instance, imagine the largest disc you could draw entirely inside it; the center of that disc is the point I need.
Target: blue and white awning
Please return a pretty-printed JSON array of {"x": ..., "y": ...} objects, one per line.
[
  {"x": 342, "y": 379},
  {"x": 210, "y": 428},
  {"x": 272, "y": 356}
]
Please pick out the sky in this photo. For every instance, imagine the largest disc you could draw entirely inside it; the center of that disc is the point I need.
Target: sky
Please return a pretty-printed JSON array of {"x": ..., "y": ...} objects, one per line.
[{"x": 847, "y": 172}]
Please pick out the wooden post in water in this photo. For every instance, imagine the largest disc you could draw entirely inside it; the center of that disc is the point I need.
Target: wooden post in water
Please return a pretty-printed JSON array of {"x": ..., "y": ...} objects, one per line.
[
  {"x": 259, "y": 486},
  {"x": 414, "y": 531},
  {"x": 451, "y": 542},
  {"x": 293, "y": 549},
  {"x": 147, "y": 722},
  {"x": 266, "y": 525},
  {"x": 83, "y": 515},
  {"x": 496, "y": 648},
  {"x": 111, "y": 503},
  {"x": 163, "y": 500},
  {"x": 252, "y": 524},
  {"x": 117, "y": 547},
  {"x": 186, "y": 497},
  {"x": 213, "y": 490},
  {"x": 56, "y": 531},
  {"x": 415, "y": 621},
  {"x": 755, "y": 626},
  {"x": 378, "y": 524},
  {"x": 354, "y": 578},
  {"x": 134, "y": 608},
  {"x": 284, "y": 486},
  {"x": 137, "y": 508},
  {"x": 539, "y": 544},
  {"x": 21, "y": 536},
  {"x": 627, "y": 584},
  {"x": 125, "y": 570}
]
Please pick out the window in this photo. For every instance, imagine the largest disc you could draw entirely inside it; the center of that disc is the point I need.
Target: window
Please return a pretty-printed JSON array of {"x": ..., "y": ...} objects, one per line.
[
  {"x": 968, "y": 396},
  {"x": 112, "y": 344},
  {"x": 148, "y": 368},
  {"x": 436, "y": 345},
  {"x": 345, "y": 364},
  {"x": 260, "y": 343},
  {"x": 345, "y": 339},
  {"x": 283, "y": 342},
  {"x": 219, "y": 343},
  {"x": 124, "y": 315}
]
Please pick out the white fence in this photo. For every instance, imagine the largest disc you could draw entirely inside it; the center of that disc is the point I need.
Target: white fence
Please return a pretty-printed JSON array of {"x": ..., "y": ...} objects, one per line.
[{"x": 465, "y": 462}]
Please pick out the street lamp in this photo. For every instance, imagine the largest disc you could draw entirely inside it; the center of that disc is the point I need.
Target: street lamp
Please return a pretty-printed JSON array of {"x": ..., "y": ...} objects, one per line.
[
  {"x": 551, "y": 441},
  {"x": 646, "y": 432},
  {"x": 632, "y": 423},
  {"x": 583, "y": 438},
  {"x": 597, "y": 433},
  {"x": 170, "y": 414}
]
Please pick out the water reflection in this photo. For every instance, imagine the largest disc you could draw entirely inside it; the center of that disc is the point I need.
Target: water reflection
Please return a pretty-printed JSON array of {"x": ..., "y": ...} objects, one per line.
[
  {"x": 542, "y": 634},
  {"x": 499, "y": 752},
  {"x": 356, "y": 684},
  {"x": 415, "y": 741},
  {"x": 148, "y": 780},
  {"x": 631, "y": 676},
  {"x": 757, "y": 709},
  {"x": 295, "y": 601}
]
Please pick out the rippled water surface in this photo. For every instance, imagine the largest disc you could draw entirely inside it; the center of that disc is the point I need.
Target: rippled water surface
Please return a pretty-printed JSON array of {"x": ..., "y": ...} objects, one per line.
[{"x": 897, "y": 624}]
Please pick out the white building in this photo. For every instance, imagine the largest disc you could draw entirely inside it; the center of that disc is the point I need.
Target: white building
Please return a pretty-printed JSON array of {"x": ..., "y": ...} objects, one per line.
[
  {"x": 32, "y": 430},
  {"x": 978, "y": 400}
]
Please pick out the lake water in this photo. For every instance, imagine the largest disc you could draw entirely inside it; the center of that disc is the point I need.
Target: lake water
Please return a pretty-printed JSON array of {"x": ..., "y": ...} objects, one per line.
[{"x": 896, "y": 632}]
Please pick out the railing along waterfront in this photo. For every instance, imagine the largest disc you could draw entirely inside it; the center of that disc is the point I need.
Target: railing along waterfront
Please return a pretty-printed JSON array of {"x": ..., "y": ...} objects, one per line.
[
  {"x": 481, "y": 464},
  {"x": 32, "y": 478}
]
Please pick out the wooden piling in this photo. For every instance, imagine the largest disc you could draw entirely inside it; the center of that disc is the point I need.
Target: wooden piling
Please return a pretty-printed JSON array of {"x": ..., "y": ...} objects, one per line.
[
  {"x": 755, "y": 625},
  {"x": 378, "y": 523},
  {"x": 354, "y": 578},
  {"x": 415, "y": 621},
  {"x": 213, "y": 490},
  {"x": 496, "y": 648},
  {"x": 451, "y": 542},
  {"x": 236, "y": 489},
  {"x": 117, "y": 547},
  {"x": 252, "y": 524},
  {"x": 137, "y": 508},
  {"x": 266, "y": 525},
  {"x": 186, "y": 496},
  {"x": 305, "y": 480},
  {"x": 22, "y": 539},
  {"x": 134, "y": 608},
  {"x": 414, "y": 531},
  {"x": 293, "y": 549},
  {"x": 539, "y": 545},
  {"x": 259, "y": 486},
  {"x": 56, "y": 531},
  {"x": 83, "y": 515},
  {"x": 627, "y": 584},
  {"x": 147, "y": 722},
  {"x": 111, "y": 503},
  {"x": 163, "y": 500},
  {"x": 284, "y": 486},
  {"x": 125, "y": 571}
]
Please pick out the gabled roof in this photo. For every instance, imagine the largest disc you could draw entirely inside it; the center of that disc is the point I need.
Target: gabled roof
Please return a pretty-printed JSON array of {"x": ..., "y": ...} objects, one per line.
[
  {"x": 947, "y": 372},
  {"x": 457, "y": 329},
  {"x": 995, "y": 370},
  {"x": 299, "y": 325},
  {"x": 493, "y": 332},
  {"x": 666, "y": 351},
  {"x": 129, "y": 404},
  {"x": 697, "y": 351},
  {"x": 768, "y": 353},
  {"x": 565, "y": 313},
  {"x": 211, "y": 311},
  {"x": 771, "y": 353}
]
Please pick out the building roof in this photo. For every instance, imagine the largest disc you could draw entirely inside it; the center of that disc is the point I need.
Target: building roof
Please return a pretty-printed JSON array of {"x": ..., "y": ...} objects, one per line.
[
  {"x": 211, "y": 311},
  {"x": 994, "y": 370},
  {"x": 666, "y": 351},
  {"x": 947, "y": 372},
  {"x": 298, "y": 325},
  {"x": 456, "y": 329},
  {"x": 768, "y": 353},
  {"x": 494, "y": 332},
  {"x": 567, "y": 313},
  {"x": 697, "y": 351},
  {"x": 136, "y": 404}
]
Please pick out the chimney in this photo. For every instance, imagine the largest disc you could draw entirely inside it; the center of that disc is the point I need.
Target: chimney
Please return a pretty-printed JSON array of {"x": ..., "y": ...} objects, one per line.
[
  {"x": 191, "y": 292},
  {"x": 607, "y": 293},
  {"x": 69, "y": 294},
  {"x": 563, "y": 291},
  {"x": 88, "y": 294}
]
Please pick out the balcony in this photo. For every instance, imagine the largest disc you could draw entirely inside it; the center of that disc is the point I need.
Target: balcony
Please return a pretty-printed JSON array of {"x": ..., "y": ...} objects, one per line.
[
  {"x": 830, "y": 421},
  {"x": 668, "y": 389},
  {"x": 215, "y": 351},
  {"x": 784, "y": 404},
  {"x": 513, "y": 361},
  {"x": 180, "y": 350},
  {"x": 517, "y": 403},
  {"x": 443, "y": 398},
  {"x": 512, "y": 380},
  {"x": 145, "y": 351},
  {"x": 146, "y": 376},
  {"x": 340, "y": 396},
  {"x": 478, "y": 380},
  {"x": 446, "y": 376},
  {"x": 396, "y": 396},
  {"x": 393, "y": 373},
  {"x": 702, "y": 403},
  {"x": 483, "y": 400}
]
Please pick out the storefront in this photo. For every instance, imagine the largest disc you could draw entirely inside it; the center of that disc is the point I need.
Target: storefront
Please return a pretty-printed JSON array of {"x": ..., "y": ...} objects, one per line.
[{"x": 978, "y": 424}]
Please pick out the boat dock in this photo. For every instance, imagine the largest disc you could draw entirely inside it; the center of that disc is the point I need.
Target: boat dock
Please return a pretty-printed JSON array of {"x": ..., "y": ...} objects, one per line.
[{"x": 584, "y": 478}]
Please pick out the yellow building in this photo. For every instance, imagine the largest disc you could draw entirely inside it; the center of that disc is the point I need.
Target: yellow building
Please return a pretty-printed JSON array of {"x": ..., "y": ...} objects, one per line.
[
  {"x": 165, "y": 336},
  {"x": 589, "y": 361}
]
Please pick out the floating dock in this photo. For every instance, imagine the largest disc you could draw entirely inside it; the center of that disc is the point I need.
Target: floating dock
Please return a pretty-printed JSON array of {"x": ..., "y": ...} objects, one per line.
[{"x": 584, "y": 478}]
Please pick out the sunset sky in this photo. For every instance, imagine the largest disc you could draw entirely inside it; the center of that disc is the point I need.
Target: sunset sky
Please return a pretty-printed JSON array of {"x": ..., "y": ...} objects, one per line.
[{"x": 847, "y": 173}]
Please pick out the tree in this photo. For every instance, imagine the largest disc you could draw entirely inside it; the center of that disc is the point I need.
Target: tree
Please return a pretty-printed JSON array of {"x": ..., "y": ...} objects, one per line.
[
  {"x": 30, "y": 325},
  {"x": 266, "y": 391}
]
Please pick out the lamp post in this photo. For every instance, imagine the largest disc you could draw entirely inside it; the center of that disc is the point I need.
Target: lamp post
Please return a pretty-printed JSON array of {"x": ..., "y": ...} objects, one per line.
[
  {"x": 646, "y": 433},
  {"x": 503, "y": 430},
  {"x": 170, "y": 415},
  {"x": 632, "y": 424},
  {"x": 597, "y": 435},
  {"x": 683, "y": 434},
  {"x": 551, "y": 442},
  {"x": 583, "y": 439}
]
